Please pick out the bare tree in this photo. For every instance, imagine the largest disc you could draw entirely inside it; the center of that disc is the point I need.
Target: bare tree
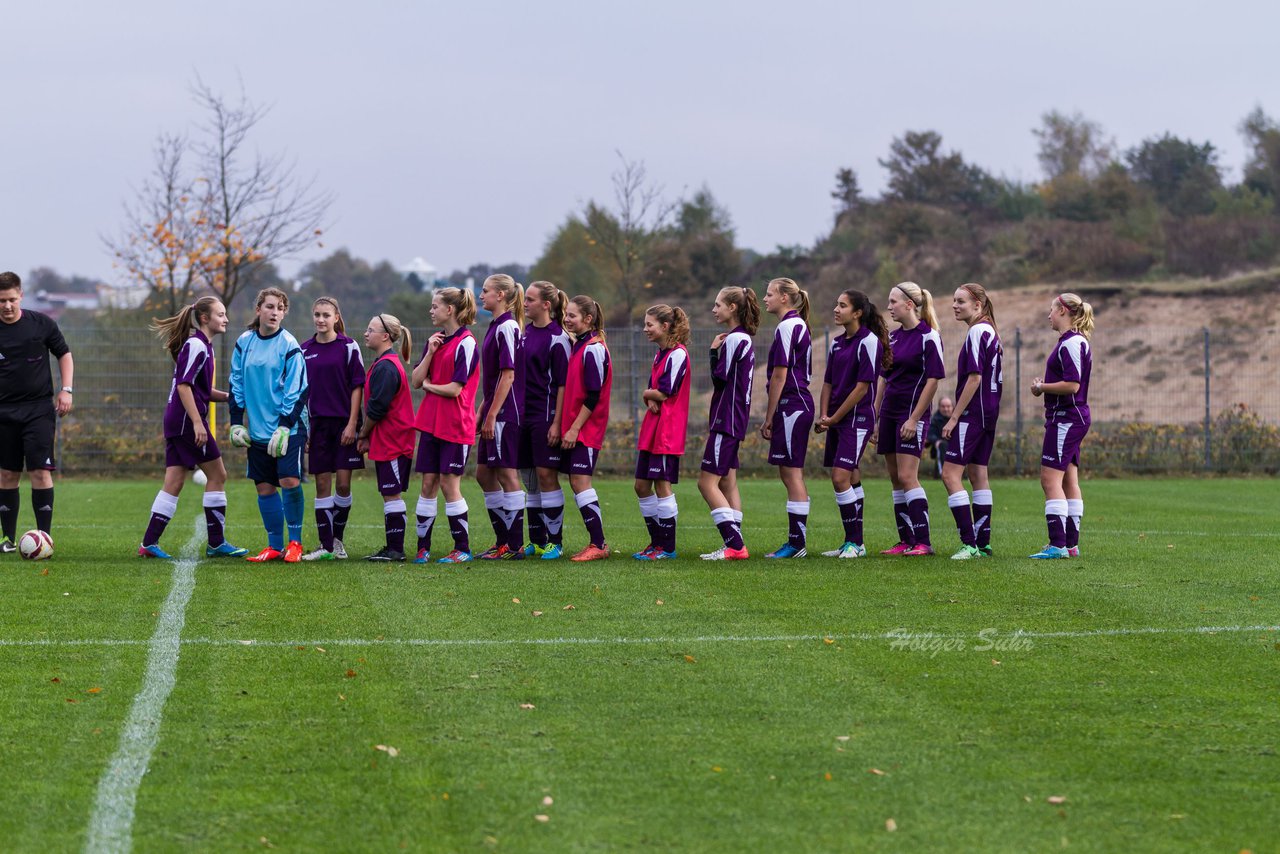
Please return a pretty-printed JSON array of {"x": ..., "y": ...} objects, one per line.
[
  {"x": 629, "y": 233},
  {"x": 213, "y": 214},
  {"x": 1072, "y": 145}
]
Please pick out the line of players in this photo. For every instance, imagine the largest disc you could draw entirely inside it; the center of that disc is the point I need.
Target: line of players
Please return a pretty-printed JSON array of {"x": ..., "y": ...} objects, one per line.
[{"x": 544, "y": 375}]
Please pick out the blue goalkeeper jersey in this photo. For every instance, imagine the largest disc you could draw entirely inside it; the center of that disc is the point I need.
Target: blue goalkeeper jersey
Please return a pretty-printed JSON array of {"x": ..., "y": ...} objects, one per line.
[{"x": 268, "y": 383}]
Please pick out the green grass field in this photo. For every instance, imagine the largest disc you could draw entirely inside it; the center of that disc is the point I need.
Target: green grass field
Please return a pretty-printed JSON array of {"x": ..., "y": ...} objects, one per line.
[{"x": 542, "y": 706}]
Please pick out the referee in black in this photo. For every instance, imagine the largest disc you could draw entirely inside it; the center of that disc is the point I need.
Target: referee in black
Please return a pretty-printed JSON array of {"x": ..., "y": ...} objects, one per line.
[{"x": 28, "y": 411}]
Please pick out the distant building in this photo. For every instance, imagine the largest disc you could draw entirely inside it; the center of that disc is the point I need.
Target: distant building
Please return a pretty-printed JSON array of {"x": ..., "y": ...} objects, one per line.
[
  {"x": 127, "y": 296},
  {"x": 421, "y": 274}
]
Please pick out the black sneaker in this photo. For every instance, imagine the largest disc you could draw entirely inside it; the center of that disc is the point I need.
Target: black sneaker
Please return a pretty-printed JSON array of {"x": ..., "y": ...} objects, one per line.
[
  {"x": 7, "y": 547},
  {"x": 386, "y": 556}
]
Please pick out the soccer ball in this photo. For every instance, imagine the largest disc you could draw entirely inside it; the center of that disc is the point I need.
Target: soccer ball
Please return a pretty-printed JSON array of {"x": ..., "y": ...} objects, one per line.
[{"x": 35, "y": 545}]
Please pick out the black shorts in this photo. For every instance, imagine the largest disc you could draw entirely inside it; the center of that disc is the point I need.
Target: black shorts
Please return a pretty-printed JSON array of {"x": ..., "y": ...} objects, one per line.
[{"x": 26, "y": 435}]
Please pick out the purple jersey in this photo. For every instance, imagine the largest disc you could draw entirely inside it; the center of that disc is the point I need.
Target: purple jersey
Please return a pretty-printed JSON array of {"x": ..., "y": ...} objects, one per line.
[
  {"x": 732, "y": 371},
  {"x": 981, "y": 354},
  {"x": 853, "y": 359},
  {"x": 793, "y": 350},
  {"x": 502, "y": 351},
  {"x": 917, "y": 357},
  {"x": 677, "y": 369},
  {"x": 546, "y": 359},
  {"x": 334, "y": 370},
  {"x": 194, "y": 367},
  {"x": 1071, "y": 361}
]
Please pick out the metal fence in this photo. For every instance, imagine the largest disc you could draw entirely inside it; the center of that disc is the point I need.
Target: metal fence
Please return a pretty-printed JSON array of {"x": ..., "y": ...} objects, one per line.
[{"x": 1165, "y": 400}]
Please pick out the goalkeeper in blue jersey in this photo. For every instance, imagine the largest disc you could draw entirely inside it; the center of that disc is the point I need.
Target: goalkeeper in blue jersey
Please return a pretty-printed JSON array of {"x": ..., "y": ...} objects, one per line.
[{"x": 269, "y": 385}]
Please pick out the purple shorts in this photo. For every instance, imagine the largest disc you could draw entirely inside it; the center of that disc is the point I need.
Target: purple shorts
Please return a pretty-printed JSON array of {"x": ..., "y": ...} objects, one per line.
[
  {"x": 658, "y": 467},
  {"x": 846, "y": 442},
  {"x": 1062, "y": 445},
  {"x": 503, "y": 450},
  {"x": 579, "y": 459},
  {"x": 533, "y": 450},
  {"x": 721, "y": 454},
  {"x": 890, "y": 441},
  {"x": 393, "y": 475},
  {"x": 326, "y": 452},
  {"x": 789, "y": 441},
  {"x": 180, "y": 451},
  {"x": 436, "y": 456},
  {"x": 970, "y": 445}
]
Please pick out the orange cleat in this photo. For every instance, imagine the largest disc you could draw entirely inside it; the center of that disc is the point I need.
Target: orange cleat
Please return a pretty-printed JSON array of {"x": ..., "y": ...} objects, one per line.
[
  {"x": 265, "y": 555},
  {"x": 591, "y": 553},
  {"x": 736, "y": 554},
  {"x": 293, "y": 552}
]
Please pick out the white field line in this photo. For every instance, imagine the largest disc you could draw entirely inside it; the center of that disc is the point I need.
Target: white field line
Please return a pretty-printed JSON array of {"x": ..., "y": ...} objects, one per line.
[
  {"x": 111, "y": 825},
  {"x": 641, "y": 641}
]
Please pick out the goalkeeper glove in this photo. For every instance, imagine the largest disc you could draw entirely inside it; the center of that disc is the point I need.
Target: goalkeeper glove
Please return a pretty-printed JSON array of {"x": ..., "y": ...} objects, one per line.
[
  {"x": 278, "y": 444},
  {"x": 239, "y": 436}
]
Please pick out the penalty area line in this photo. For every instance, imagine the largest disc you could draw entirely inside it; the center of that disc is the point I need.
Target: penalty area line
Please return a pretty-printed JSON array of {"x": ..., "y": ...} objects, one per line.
[{"x": 111, "y": 825}]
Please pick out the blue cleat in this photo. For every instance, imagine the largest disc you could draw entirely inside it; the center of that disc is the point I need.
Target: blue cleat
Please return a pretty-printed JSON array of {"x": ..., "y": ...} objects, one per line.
[
  {"x": 553, "y": 551},
  {"x": 1050, "y": 553},
  {"x": 154, "y": 551},
  {"x": 659, "y": 554},
  {"x": 534, "y": 550},
  {"x": 225, "y": 549},
  {"x": 424, "y": 556},
  {"x": 787, "y": 550},
  {"x": 456, "y": 556}
]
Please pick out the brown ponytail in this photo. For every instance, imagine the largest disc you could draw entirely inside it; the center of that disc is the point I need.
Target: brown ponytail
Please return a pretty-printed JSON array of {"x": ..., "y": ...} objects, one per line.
[
  {"x": 552, "y": 295},
  {"x": 174, "y": 331},
  {"x": 591, "y": 308},
  {"x": 675, "y": 318}
]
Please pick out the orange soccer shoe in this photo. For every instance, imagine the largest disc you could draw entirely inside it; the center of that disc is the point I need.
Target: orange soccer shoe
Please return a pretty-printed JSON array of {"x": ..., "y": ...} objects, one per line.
[
  {"x": 265, "y": 555},
  {"x": 591, "y": 553},
  {"x": 293, "y": 552}
]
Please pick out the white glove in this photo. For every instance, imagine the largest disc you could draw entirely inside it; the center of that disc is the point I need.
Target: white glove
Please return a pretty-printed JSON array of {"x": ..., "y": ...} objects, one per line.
[
  {"x": 278, "y": 444},
  {"x": 239, "y": 436}
]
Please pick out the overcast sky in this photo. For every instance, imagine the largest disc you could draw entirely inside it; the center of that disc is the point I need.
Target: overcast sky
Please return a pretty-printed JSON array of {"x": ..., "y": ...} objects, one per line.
[{"x": 466, "y": 132}]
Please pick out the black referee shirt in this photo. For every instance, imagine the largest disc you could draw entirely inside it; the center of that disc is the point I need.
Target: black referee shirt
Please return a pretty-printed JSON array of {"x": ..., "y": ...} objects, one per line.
[{"x": 25, "y": 346}]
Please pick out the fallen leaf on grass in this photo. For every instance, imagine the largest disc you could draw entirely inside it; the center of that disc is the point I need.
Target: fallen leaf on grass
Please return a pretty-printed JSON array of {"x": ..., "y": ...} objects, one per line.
[
  {"x": 716, "y": 768},
  {"x": 890, "y": 825},
  {"x": 828, "y": 641},
  {"x": 72, "y": 700},
  {"x": 659, "y": 602},
  {"x": 1056, "y": 799},
  {"x": 537, "y": 613},
  {"x": 387, "y": 749},
  {"x": 568, "y": 608},
  {"x": 94, "y": 690},
  {"x": 1177, "y": 815},
  {"x": 351, "y": 674},
  {"x": 527, "y": 706},
  {"x": 517, "y": 601},
  {"x": 691, "y": 659},
  {"x": 826, "y": 776},
  {"x": 342, "y": 696},
  {"x": 1170, "y": 545},
  {"x": 542, "y": 818},
  {"x": 44, "y": 571},
  {"x": 300, "y": 648},
  {"x": 546, "y": 802},
  {"x": 321, "y": 649},
  {"x": 265, "y": 842},
  {"x": 55, "y": 680},
  {"x": 842, "y": 738},
  {"x": 995, "y": 662},
  {"x": 875, "y": 771}
]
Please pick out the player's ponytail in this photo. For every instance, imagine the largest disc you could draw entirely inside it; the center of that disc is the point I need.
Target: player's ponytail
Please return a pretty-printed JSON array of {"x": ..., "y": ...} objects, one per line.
[
  {"x": 512, "y": 295},
  {"x": 463, "y": 303},
  {"x": 338, "y": 325},
  {"x": 553, "y": 296},
  {"x": 796, "y": 295},
  {"x": 923, "y": 301},
  {"x": 1081, "y": 313},
  {"x": 875, "y": 323},
  {"x": 590, "y": 308},
  {"x": 398, "y": 334},
  {"x": 745, "y": 305},
  {"x": 174, "y": 331},
  {"x": 676, "y": 320},
  {"x": 986, "y": 311}
]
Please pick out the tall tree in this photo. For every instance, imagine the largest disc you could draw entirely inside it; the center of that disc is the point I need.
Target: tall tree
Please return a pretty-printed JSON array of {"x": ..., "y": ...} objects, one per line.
[
  {"x": 1180, "y": 174},
  {"x": 920, "y": 173},
  {"x": 848, "y": 194},
  {"x": 1072, "y": 145},
  {"x": 628, "y": 233},
  {"x": 1262, "y": 169}
]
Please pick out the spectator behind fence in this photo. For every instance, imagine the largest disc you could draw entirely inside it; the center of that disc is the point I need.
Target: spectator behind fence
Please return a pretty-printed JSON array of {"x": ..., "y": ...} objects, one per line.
[{"x": 937, "y": 444}]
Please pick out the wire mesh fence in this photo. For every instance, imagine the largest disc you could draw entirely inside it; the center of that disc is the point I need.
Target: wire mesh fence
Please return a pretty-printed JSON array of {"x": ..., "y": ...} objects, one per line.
[{"x": 1164, "y": 400}]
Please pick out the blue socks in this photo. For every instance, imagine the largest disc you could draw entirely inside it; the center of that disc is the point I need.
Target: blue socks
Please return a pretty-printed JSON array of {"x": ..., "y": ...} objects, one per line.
[
  {"x": 272, "y": 510},
  {"x": 295, "y": 506}
]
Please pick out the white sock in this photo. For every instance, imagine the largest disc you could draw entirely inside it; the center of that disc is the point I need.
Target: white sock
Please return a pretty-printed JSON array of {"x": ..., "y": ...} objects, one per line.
[
  {"x": 342, "y": 501},
  {"x": 428, "y": 507},
  {"x": 849, "y": 496},
  {"x": 649, "y": 506},
  {"x": 215, "y": 499},
  {"x": 585, "y": 497},
  {"x": 982, "y": 496},
  {"x": 958, "y": 499},
  {"x": 667, "y": 507},
  {"x": 165, "y": 504},
  {"x": 798, "y": 507}
]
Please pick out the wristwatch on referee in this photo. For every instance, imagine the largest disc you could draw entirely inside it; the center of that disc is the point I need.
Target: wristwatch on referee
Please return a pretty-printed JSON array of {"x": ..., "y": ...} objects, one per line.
[{"x": 67, "y": 389}]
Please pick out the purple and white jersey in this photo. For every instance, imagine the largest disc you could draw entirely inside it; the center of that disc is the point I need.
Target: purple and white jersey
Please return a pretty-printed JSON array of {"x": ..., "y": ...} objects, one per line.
[
  {"x": 677, "y": 369},
  {"x": 334, "y": 370},
  {"x": 981, "y": 354},
  {"x": 1071, "y": 361},
  {"x": 502, "y": 350},
  {"x": 917, "y": 357},
  {"x": 546, "y": 360},
  {"x": 793, "y": 350},
  {"x": 851, "y": 360},
  {"x": 733, "y": 369},
  {"x": 194, "y": 367}
]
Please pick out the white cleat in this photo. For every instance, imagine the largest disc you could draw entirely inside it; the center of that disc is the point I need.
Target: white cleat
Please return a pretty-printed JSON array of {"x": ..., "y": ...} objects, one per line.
[
  {"x": 339, "y": 550},
  {"x": 718, "y": 554},
  {"x": 319, "y": 554},
  {"x": 851, "y": 550}
]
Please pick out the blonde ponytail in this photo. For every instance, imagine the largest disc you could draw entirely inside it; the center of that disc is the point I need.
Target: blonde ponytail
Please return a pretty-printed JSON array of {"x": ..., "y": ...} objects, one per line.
[
  {"x": 923, "y": 301},
  {"x": 1081, "y": 313}
]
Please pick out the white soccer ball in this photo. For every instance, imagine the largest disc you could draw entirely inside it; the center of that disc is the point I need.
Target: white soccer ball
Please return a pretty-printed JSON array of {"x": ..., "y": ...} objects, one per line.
[
  {"x": 35, "y": 545},
  {"x": 200, "y": 477}
]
